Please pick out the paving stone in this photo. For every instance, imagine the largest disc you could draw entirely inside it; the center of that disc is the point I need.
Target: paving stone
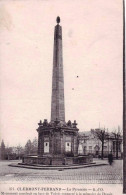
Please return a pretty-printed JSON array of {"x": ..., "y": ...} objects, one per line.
[{"x": 103, "y": 174}]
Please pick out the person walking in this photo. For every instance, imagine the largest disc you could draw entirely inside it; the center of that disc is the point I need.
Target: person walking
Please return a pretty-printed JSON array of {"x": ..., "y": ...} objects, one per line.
[{"x": 110, "y": 159}]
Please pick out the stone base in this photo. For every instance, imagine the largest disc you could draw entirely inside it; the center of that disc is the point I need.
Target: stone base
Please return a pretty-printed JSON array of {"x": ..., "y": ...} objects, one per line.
[{"x": 57, "y": 160}]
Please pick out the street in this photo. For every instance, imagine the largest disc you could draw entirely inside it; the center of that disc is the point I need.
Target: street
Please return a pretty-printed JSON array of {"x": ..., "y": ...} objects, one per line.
[{"x": 100, "y": 174}]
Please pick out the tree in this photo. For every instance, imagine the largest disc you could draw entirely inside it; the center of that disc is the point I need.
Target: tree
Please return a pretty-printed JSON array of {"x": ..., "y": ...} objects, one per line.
[
  {"x": 3, "y": 152},
  {"x": 28, "y": 147},
  {"x": 31, "y": 147},
  {"x": 117, "y": 138},
  {"x": 34, "y": 146},
  {"x": 19, "y": 151},
  {"x": 102, "y": 135},
  {"x": 8, "y": 152}
]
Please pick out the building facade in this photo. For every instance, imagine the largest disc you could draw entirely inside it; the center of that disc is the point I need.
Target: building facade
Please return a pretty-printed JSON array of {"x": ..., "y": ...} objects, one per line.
[{"x": 89, "y": 144}]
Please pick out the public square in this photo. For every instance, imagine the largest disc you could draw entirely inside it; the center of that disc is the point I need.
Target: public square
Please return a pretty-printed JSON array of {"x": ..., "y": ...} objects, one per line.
[{"x": 91, "y": 175}]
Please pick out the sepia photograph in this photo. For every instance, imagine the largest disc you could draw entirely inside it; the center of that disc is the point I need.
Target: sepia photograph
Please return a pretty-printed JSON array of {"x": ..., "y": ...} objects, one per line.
[{"x": 62, "y": 97}]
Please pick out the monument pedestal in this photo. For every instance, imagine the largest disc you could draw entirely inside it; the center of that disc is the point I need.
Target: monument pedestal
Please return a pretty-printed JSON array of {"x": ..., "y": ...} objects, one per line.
[
  {"x": 57, "y": 139},
  {"x": 57, "y": 145},
  {"x": 55, "y": 161}
]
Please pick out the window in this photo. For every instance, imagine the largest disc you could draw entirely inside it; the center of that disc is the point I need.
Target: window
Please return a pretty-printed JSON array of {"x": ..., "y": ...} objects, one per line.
[
  {"x": 68, "y": 146},
  {"x": 46, "y": 147}
]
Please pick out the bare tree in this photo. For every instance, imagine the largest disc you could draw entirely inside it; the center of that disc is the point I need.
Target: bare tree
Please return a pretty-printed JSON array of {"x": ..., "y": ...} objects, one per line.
[
  {"x": 117, "y": 138},
  {"x": 102, "y": 135}
]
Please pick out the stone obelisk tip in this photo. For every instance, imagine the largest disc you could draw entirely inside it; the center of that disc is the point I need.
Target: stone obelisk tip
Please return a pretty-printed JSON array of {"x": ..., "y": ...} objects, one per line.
[{"x": 58, "y": 19}]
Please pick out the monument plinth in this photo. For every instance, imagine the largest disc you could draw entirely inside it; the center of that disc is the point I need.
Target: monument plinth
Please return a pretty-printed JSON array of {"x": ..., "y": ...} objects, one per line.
[{"x": 57, "y": 139}]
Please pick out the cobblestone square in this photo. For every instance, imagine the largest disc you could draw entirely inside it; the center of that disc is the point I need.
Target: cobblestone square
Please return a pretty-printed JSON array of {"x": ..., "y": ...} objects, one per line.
[{"x": 90, "y": 175}]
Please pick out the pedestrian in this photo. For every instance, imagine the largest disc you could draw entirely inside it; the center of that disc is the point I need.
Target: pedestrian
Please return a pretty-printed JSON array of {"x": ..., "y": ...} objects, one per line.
[{"x": 110, "y": 158}]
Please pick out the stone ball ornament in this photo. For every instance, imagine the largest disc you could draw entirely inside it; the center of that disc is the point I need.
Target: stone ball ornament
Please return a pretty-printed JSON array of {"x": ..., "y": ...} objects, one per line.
[{"x": 58, "y": 19}]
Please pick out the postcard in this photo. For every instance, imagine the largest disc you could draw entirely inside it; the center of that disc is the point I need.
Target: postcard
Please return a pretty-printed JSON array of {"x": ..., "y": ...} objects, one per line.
[{"x": 62, "y": 97}]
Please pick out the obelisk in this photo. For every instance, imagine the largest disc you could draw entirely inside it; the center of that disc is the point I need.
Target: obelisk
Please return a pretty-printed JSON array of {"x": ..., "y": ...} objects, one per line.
[
  {"x": 57, "y": 102},
  {"x": 57, "y": 139}
]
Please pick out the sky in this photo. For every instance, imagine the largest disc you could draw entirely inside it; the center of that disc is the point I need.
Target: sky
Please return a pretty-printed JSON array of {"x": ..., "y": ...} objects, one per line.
[{"x": 92, "y": 50}]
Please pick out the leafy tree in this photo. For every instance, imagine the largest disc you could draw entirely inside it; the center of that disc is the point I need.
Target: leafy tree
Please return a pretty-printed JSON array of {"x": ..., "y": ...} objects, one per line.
[
  {"x": 19, "y": 151},
  {"x": 8, "y": 152},
  {"x": 31, "y": 147},
  {"x": 102, "y": 135},
  {"x": 3, "y": 152},
  {"x": 28, "y": 147},
  {"x": 35, "y": 146}
]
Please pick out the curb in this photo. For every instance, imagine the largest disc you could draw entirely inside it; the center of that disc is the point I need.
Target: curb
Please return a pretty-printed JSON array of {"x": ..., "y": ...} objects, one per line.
[{"x": 56, "y": 168}]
